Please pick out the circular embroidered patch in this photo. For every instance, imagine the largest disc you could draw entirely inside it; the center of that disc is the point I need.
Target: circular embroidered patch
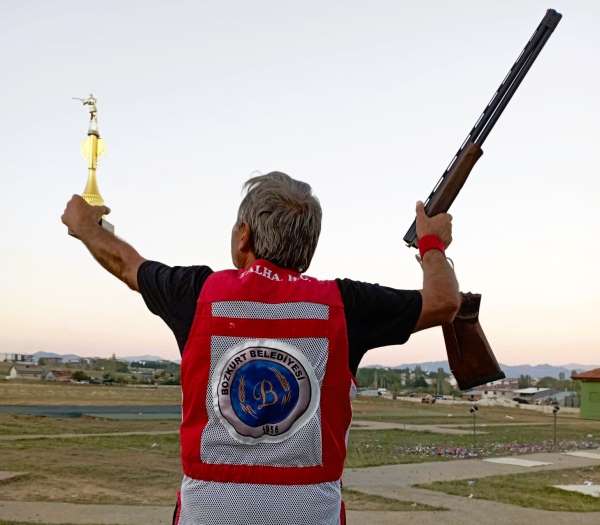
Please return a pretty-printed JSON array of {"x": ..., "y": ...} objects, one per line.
[{"x": 264, "y": 391}]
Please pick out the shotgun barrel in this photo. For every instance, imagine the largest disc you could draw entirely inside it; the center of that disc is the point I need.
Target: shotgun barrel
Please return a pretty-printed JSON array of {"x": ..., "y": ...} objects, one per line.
[{"x": 455, "y": 175}]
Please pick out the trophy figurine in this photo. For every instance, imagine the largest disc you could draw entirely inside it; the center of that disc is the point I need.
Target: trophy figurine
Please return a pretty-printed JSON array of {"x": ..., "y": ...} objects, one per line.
[{"x": 92, "y": 148}]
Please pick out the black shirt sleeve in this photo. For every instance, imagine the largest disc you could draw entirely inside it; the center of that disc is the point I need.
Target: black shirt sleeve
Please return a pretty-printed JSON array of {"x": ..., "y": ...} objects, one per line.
[
  {"x": 377, "y": 316},
  {"x": 171, "y": 292}
]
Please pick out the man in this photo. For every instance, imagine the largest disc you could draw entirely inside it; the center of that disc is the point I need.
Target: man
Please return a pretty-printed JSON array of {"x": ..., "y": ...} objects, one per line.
[{"x": 269, "y": 354}]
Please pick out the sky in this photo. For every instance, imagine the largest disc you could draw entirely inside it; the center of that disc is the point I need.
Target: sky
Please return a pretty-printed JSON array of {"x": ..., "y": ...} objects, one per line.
[{"x": 366, "y": 101}]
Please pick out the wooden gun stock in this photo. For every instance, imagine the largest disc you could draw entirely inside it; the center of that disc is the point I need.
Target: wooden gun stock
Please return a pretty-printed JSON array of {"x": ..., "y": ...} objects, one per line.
[
  {"x": 450, "y": 186},
  {"x": 469, "y": 354}
]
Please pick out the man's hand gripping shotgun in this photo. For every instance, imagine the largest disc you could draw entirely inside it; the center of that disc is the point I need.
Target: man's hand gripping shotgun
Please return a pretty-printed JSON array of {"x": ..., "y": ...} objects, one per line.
[{"x": 469, "y": 354}]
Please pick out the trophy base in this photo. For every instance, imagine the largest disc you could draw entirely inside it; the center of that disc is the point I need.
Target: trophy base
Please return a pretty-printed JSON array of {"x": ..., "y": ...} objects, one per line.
[{"x": 107, "y": 226}]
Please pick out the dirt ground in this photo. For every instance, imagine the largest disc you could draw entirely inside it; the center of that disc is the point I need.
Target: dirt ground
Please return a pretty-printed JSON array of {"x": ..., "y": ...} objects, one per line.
[{"x": 145, "y": 470}]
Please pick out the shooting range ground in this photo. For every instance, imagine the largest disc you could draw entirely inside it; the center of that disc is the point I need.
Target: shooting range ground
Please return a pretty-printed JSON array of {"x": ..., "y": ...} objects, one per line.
[{"x": 143, "y": 468}]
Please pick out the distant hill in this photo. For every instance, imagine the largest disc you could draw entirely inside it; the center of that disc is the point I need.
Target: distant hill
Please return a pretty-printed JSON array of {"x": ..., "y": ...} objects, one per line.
[
  {"x": 65, "y": 357},
  {"x": 544, "y": 370},
  {"x": 428, "y": 366},
  {"x": 536, "y": 371},
  {"x": 131, "y": 358}
]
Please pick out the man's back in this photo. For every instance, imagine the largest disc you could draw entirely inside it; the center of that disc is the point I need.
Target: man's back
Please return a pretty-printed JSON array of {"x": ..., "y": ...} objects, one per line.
[{"x": 266, "y": 399}]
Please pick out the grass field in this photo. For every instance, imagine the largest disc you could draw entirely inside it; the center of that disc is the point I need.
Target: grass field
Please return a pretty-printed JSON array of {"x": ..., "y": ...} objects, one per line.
[
  {"x": 55, "y": 393},
  {"x": 369, "y": 448},
  {"x": 530, "y": 489},
  {"x": 141, "y": 470},
  {"x": 119, "y": 470},
  {"x": 145, "y": 469},
  {"x": 23, "y": 425}
]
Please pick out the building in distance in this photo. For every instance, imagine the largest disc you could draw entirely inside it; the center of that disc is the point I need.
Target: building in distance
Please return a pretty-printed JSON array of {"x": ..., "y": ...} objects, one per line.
[
  {"x": 63, "y": 376},
  {"x": 590, "y": 393},
  {"x": 533, "y": 395},
  {"x": 50, "y": 361},
  {"x": 25, "y": 371},
  {"x": 16, "y": 358}
]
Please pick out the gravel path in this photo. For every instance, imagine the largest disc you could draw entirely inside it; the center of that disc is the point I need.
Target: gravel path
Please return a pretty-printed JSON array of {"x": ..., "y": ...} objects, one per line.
[
  {"x": 394, "y": 481},
  {"x": 436, "y": 429},
  {"x": 42, "y": 512},
  {"x": 461, "y": 511},
  {"x": 465, "y": 511},
  {"x": 53, "y": 513},
  {"x": 405, "y": 475}
]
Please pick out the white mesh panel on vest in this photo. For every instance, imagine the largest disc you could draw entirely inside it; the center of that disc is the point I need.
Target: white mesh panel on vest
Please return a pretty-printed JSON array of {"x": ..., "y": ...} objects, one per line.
[
  {"x": 212, "y": 503},
  {"x": 301, "y": 449},
  {"x": 255, "y": 310}
]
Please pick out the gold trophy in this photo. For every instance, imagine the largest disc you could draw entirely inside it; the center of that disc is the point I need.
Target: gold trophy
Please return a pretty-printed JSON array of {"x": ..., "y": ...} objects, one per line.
[{"x": 92, "y": 147}]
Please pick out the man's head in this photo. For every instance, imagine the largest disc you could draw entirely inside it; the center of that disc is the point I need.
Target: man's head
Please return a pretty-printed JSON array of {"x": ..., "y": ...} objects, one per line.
[{"x": 279, "y": 220}]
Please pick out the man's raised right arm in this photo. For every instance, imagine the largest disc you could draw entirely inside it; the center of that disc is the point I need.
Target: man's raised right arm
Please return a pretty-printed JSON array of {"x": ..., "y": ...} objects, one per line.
[{"x": 113, "y": 254}]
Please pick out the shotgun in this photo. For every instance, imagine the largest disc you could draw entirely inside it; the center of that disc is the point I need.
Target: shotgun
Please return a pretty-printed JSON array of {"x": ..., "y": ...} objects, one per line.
[{"x": 469, "y": 354}]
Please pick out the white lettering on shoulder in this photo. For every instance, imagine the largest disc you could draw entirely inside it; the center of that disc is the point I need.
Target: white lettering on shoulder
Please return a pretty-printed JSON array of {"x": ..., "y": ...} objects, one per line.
[
  {"x": 294, "y": 278},
  {"x": 263, "y": 272},
  {"x": 267, "y": 273}
]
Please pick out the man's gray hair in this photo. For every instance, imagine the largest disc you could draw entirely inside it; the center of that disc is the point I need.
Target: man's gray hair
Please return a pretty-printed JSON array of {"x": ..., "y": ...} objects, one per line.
[{"x": 284, "y": 219}]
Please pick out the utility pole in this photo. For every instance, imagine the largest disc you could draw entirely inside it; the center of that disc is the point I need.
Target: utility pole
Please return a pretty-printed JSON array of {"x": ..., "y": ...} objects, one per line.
[
  {"x": 555, "y": 410},
  {"x": 474, "y": 408}
]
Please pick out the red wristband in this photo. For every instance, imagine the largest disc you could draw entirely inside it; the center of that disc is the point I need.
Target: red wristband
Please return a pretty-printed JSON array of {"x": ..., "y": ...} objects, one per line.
[{"x": 430, "y": 242}]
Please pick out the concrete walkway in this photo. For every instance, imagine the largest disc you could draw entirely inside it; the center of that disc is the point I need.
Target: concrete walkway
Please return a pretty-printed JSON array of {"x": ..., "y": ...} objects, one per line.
[
  {"x": 436, "y": 429},
  {"x": 41, "y": 512},
  {"x": 405, "y": 475},
  {"x": 53, "y": 513},
  {"x": 394, "y": 481},
  {"x": 461, "y": 511},
  {"x": 465, "y": 511}
]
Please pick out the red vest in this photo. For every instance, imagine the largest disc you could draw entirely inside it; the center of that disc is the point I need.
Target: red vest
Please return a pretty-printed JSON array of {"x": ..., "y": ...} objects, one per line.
[{"x": 265, "y": 379}]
